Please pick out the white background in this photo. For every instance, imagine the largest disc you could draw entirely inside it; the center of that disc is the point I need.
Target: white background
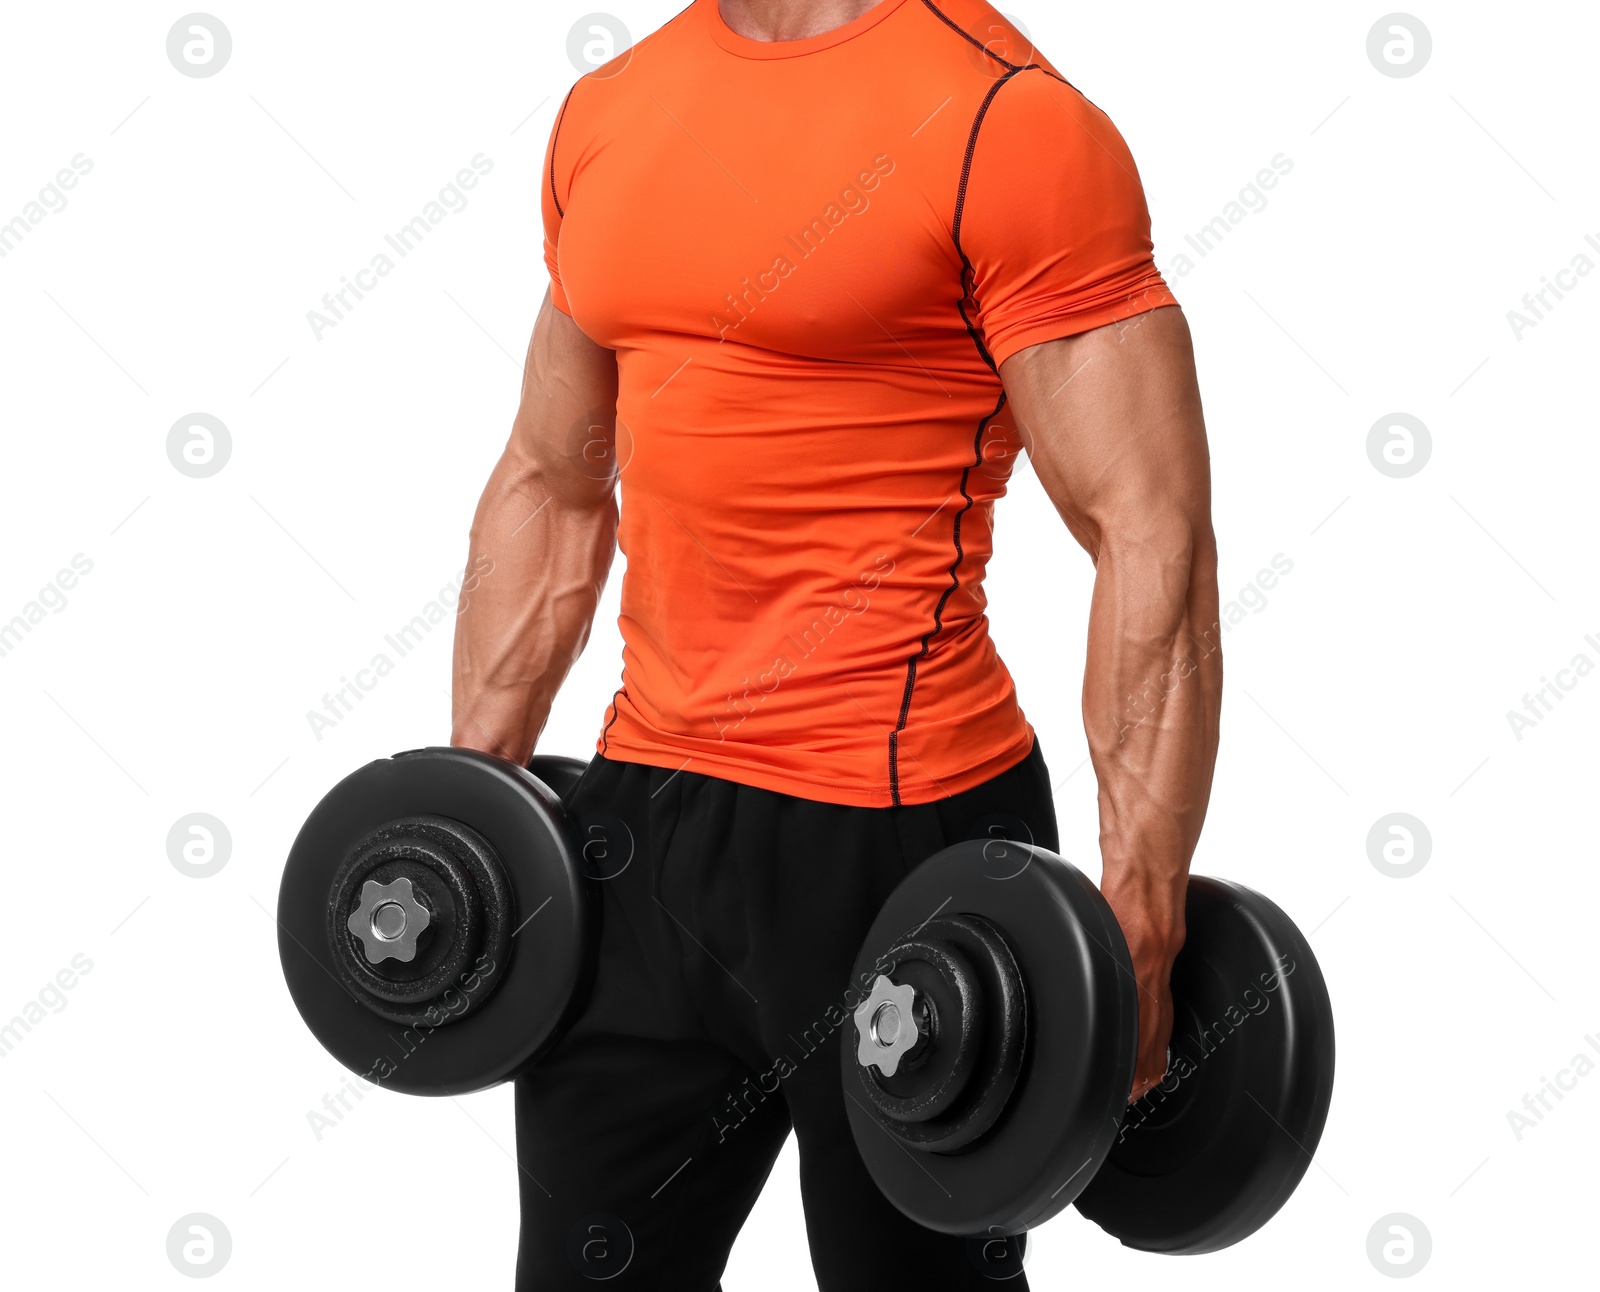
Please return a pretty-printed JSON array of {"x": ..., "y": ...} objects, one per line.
[{"x": 177, "y": 1078}]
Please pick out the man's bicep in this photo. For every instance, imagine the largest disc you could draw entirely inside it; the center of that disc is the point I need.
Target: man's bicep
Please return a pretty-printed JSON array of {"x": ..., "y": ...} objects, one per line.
[
  {"x": 1111, "y": 420},
  {"x": 566, "y": 422}
]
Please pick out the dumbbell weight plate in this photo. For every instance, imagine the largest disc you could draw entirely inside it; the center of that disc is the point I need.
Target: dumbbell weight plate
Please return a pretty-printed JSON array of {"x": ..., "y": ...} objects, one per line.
[
  {"x": 558, "y": 771},
  {"x": 1209, "y": 1157},
  {"x": 531, "y": 991},
  {"x": 1059, "y": 1119},
  {"x": 977, "y": 1024},
  {"x": 461, "y": 884}
]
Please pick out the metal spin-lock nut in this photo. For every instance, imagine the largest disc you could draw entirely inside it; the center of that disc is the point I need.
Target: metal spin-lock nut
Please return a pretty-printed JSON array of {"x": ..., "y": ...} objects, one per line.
[
  {"x": 886, "y": 1029},
  {"x": 388, "y": 920}
]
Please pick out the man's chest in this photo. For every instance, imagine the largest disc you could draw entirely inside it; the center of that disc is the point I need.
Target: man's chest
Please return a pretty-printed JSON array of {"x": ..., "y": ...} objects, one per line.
[{"x": 830, "y": 244}]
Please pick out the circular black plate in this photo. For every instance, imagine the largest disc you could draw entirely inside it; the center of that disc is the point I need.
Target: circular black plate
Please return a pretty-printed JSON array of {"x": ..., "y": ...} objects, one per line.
[
  {"x": 1207, "y": 1158},
  {"x": 551, "y": 954},
  {"x": 1082, "y": 1032},
  {"x": 558, "y": 771}
]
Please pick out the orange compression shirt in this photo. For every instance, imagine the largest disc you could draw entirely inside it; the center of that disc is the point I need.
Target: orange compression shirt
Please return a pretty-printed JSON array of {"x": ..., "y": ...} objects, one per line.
[{"x": 811, "y": 258}]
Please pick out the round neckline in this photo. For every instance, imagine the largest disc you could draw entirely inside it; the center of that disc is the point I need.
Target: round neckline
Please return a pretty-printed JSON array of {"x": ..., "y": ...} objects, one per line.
[{"x": 745, "y": 47}]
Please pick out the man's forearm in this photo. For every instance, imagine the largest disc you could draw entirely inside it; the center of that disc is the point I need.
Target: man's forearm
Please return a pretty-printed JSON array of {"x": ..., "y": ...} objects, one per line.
[
  {"x": 1151, "y": 699},
  {"x": 541, "y": 561}
]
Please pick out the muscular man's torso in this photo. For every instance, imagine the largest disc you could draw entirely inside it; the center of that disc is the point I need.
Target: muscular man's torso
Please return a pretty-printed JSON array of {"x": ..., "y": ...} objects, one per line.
[{"x": 810, "y": 258}]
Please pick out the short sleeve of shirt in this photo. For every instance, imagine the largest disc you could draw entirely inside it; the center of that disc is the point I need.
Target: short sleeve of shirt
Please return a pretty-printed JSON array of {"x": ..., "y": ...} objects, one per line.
[
  {"x": 557, "y": 187},
  {"x": 1053, "y": 220}
]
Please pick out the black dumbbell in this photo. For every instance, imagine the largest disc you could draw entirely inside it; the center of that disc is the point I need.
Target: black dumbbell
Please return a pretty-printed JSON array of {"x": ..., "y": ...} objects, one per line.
[
  {"x": 988, "y": 1069},
  {"x": 435, "y": 927}
]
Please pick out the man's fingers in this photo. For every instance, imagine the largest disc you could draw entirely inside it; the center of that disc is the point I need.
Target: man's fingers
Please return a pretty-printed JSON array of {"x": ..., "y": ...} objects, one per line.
[
  {"x": 1150, "y": 1068},
  {"x": 1148, "y": 1074}
]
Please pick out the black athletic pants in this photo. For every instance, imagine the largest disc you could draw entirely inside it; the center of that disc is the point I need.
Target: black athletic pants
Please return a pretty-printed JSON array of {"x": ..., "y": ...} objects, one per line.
[{"x": 644, "y": 1137}]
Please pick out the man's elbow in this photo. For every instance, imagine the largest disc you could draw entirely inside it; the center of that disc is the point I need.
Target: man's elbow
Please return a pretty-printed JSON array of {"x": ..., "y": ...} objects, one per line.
[
  {"x": 1167, "y": 566},
  {"x": 1181, "y": 545}
]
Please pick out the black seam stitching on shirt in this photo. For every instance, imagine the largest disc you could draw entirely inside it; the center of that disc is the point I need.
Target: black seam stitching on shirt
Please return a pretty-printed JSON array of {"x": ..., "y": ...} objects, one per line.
[
  {"x": 938, "y": 610},
  {"x": 555, "y": 138},
  {"x": 616, "y": 711},
  {"x": 987, "y": 53},
  {"x": 968, "y": 36},
  {"x": 983, "y": 352},
  {"x": 961, "y": 206}
]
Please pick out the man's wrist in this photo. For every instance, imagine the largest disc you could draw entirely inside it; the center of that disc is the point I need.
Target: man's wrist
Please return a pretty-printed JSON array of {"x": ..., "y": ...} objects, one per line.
[
  {"x": 1149, "y": 908},
  {"x": 504, "y": 735}
]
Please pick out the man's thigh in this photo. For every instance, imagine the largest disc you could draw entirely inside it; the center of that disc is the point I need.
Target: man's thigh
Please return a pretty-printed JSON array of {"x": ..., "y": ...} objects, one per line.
[
  {"x": 620, "y": 1169},
  {"x": 618, "y": 1153}
]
